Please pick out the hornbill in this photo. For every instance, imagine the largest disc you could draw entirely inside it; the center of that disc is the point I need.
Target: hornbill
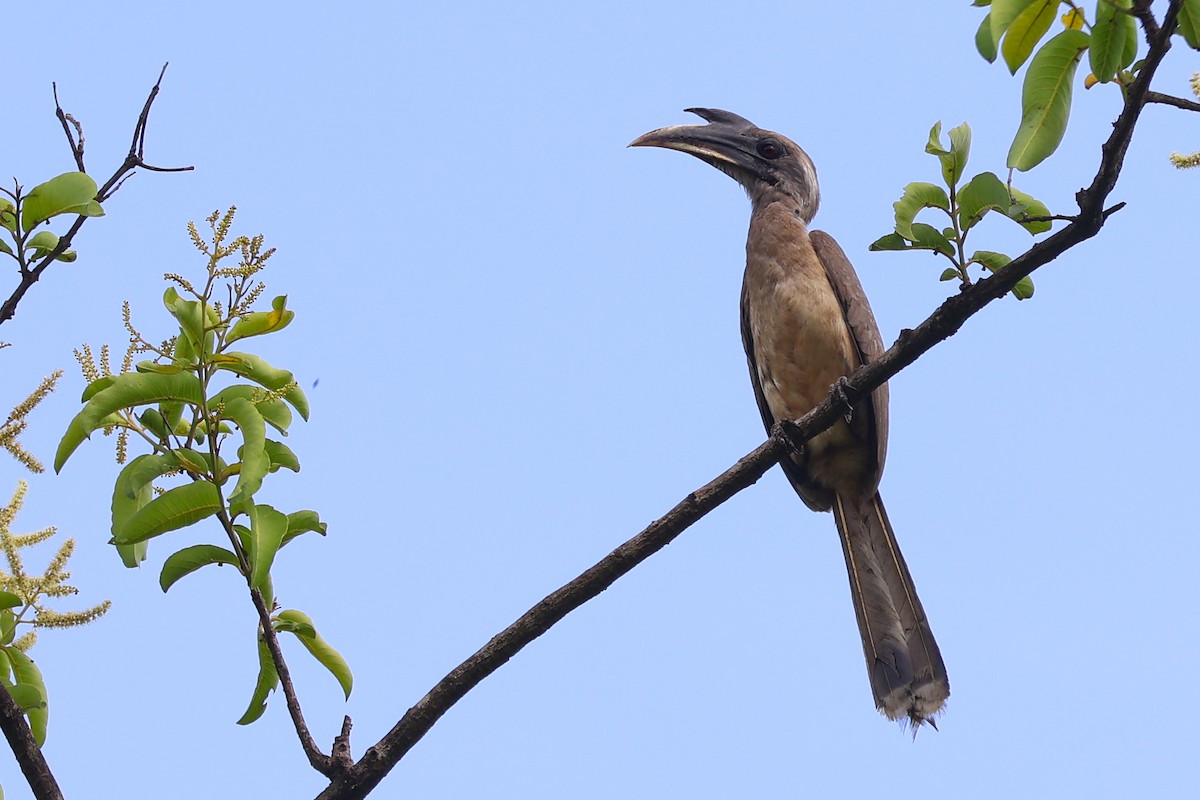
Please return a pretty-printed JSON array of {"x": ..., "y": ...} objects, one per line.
[{"x": 806, "y": 324}]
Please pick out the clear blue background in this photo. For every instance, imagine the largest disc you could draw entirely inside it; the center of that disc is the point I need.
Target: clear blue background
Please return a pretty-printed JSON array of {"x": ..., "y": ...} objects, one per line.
[{"x": 527, "y": 348}]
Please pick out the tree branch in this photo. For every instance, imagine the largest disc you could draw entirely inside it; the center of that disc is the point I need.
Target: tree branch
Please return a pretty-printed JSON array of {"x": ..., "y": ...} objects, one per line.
[
  {"x": 1170, "y": 100},
  {"x": 133, "y": 160},
  {"x": 359, "y": 781},
  {"x": 25, "y": 748},
  {"x": 1141, "y": 10}
]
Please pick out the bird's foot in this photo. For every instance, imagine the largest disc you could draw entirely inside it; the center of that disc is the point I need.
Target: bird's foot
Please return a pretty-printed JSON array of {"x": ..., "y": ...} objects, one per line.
[
  {"x": 841, "y": 394},
  {"x": 791, "y": 435}
]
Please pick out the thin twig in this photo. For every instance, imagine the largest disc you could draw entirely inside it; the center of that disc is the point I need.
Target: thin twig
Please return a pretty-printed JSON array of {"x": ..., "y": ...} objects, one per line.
[
  {"x": 68, "y": 121},
  {"x": 943, "y": 323},
  {"x": 132, "y": 161},
  {"x": 1171, "y": 100},
  {"x": 1108, "y": 212}
]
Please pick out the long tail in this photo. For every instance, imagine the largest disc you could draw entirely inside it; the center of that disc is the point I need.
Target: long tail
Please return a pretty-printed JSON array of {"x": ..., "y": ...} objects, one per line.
[{"x": 907, "y": 675}]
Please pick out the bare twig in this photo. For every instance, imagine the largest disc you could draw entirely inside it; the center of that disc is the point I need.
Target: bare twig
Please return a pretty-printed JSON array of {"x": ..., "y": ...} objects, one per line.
[
  {"x": 358, "y": 781},
  {"x": 75, "y": 141},
  {"x": 133, "y": 160},
  {"x": 1170, "y": 100},
  {"x": 1108, "y": 212},
  {"x": 25, "y": 748}
]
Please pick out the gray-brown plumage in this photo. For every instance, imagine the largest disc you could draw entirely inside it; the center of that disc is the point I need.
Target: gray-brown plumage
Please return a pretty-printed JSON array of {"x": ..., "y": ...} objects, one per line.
[{"x": 806, "y": 323}]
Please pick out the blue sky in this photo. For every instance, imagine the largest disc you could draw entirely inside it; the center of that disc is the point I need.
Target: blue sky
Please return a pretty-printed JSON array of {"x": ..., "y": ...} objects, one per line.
[{"x": 527, "y": 347}]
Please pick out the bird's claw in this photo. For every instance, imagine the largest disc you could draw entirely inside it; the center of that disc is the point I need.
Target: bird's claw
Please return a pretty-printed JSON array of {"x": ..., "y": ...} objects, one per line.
[
  {"x": 840, "y": 393},
  {"x": 792, "y": 436}
]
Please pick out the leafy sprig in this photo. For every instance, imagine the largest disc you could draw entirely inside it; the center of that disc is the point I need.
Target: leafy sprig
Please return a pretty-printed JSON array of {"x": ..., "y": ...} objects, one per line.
[
  {"x": 965, "y": 205},
  {"x": 212, "y": 418}
]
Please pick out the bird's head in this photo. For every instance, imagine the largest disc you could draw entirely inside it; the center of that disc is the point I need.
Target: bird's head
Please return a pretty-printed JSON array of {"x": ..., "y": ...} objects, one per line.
[{"x": 766, "y": 164}]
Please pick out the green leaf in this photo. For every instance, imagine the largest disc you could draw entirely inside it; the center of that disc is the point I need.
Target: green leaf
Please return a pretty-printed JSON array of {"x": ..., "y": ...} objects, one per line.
[
  {"x": 299, "y": 522},
  {"x": 1130, "y": 47},
  {"x": 949, "y": 274},
  {"x": 8, "y": 217},
  {"x": 125, "y": 503},
  {"x": 983, "y": 193},
  {"x": 927, "y": 237},
  {"x": 989, "y": 259},
  {"x": 10, "y": 600},
  {"x": 130, "y": 389},
  {"x": 153, "y": 421},
  {"x": 27, "y": 674},
  {"x": 984, "y": 42},
  {"x": 196, "y": 320},
  {"x": 4, "y": 248},
  {"x": 917, "y": 196},
  {"x": 1110, "y": 34},
  {"x": 267, "y": 529},
  {"x": 326, "y": 655},
  {"x": 890, "y": 241},
  {"x": 1189, "y": 23},
  {"x": 173, "y": 509},
  {"x": 1004, "y": 12},
  {"x": 274, "y": 411},
  {"x": 69, "y": 193},
  {"x": 97, "y": 386},
  {"x": 157, "y": 368},
  {"x": 954, "y": 160},
  {"x": 298, "y": 628},
  {"x": 8, "y": 626},
  {"x": 1046, "y": 100},
  {"x": 1026, "y": 31},
  {"x": 268, "y": 679},
  {"x": 43, "y": 240},
  {"x": 255, "y": 462},
  {"x": 1029, "y": 206},
  {"x": 190, "y": 559},
  {"x": 27, "y": 697},
  {"x": 993, "y": 262},
  {"x": 260, "y": 322},
  {"x": 281, "y": 456},
  {"x": 256, "y": 369}
]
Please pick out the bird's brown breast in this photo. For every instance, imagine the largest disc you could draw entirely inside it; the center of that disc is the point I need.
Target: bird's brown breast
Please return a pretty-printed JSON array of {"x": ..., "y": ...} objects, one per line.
[{"x": 801, "y": 341}]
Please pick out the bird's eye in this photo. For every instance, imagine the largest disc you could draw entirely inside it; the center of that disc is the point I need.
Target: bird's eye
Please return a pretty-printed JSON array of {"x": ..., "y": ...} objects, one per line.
[{"x": 770, "y": 149}]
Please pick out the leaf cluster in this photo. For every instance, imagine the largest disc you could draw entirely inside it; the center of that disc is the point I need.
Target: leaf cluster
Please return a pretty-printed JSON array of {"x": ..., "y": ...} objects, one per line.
[
  {"x": 965, "y": 205},
  {"x": 21, "y": 213},
  {"x": 212, "y": 418},
  {"x": 1014, "y": 29}
]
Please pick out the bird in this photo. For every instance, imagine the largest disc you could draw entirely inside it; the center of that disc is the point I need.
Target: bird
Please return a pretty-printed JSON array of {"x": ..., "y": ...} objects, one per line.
[{"x": 806, "y": 324}]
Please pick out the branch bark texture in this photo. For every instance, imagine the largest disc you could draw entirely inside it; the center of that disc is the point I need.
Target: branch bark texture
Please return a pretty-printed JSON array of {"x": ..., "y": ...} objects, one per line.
[{"x": 29, "y": 756}]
